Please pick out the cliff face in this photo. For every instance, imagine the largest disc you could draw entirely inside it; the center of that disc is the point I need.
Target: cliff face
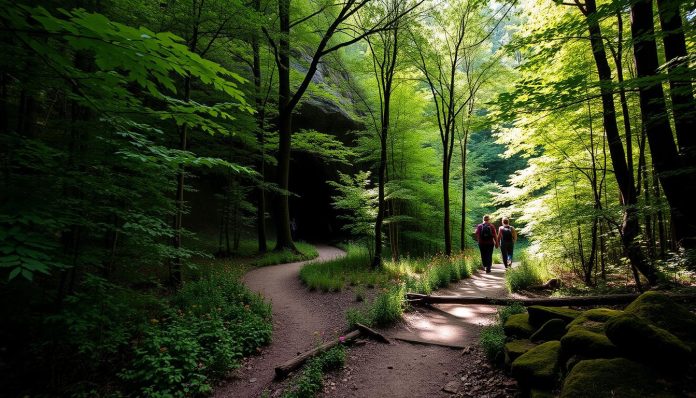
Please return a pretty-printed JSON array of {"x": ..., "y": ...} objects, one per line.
[{"x": 329, "y": 104}]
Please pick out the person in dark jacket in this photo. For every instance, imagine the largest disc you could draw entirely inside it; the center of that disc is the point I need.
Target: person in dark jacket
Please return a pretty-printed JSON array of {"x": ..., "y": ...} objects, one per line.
[
  {"x": 487, "y": 238},
  {"x": 507, "y": 236}
]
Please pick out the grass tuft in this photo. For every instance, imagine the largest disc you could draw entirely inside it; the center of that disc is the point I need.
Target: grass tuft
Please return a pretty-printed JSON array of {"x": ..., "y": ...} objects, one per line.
[{"x": 524, "y": 275}]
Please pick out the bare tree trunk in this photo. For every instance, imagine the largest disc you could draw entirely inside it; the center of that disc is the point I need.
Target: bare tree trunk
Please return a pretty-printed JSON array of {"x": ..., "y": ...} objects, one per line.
[
  {"x": 260, "y": 122},
  {"x": 283, "y": 233},
  {"x": 680, "y": 89},
  {"x": 666, "y": 158},
  {"x": 630, "y": 227}
]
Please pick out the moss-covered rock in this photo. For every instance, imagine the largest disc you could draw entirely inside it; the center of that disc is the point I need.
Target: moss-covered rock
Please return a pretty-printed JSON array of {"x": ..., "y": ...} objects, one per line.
[
  {"x": 588, "y": 344},
  {"x": 518, "y": 326},
  {"x": 538, "y": 367},
  {"x": 515, "y": 348},
  {"x": 594, "y": 319},
  {"x": 644, "y": 342},
  {"x": 661, "y": 310},
  {"x": 539, "y": 315},
  {"x": 551, "y": 330},
  {"x": 619, "y": 377}
]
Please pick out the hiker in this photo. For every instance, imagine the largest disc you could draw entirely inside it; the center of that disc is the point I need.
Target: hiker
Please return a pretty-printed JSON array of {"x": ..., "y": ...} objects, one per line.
[
  {"x": 486, "y": 237},
  {"x": 507, "y": 236}
]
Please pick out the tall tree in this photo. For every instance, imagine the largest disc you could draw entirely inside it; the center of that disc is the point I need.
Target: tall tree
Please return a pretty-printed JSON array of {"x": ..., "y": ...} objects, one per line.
[
  {"x": 675, "y": 168},
  {"x": 333, "y": 37},
  {"x": 384, "y": 49},
  {"x": 630, "y": 227},
  {"x": 440, "y": 53}
]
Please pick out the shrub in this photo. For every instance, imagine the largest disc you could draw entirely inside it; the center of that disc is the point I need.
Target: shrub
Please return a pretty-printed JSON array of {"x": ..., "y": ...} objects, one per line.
[
  {"x": 492, "y": 340},
  {"x": 357, "y": 315},
  {"x": 214, "y": 323},
  {"x": 523, "y": 276},
  {"x": 388, "y": 307},
  {"x": 493, "y": 336},
  {"x": 505, "y": 312}
]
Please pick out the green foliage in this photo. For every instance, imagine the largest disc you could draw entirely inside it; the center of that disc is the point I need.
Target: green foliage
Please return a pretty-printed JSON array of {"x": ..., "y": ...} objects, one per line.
[
  {"x": 358, "y": 202},
  {"x": 388, "y": 307},
  {"x": 311, "y": 381},
  {"x": 306, "y": 252},
  {"x": 492, "y": 340},
  {"x": 217, "y": 322},
  {"x": 525, "y": 275},
  {"x": 512, "y": 309},
  {"x": 493, "y": 337}
]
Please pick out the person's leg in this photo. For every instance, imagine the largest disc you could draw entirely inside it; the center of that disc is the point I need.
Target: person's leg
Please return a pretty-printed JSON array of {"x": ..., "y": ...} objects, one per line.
[
  {"x": 510, "y": 249},
  {"x": 483, "y": 255},
  {"x": 489, "y": 257},
  {"x": 504, "y": 254}
]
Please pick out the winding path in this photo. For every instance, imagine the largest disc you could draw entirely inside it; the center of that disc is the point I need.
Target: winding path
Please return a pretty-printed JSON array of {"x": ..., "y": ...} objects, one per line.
[
  {"x": 300, "y": 318},
  {"x": 401, "y": 369}
]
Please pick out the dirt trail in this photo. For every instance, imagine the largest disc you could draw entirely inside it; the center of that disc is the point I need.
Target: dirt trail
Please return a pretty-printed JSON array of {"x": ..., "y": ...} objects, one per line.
[
  {"x": 401, "y": 369},
  {"x": 300, "y": 319},
  {"x": 405, "y": 369}
]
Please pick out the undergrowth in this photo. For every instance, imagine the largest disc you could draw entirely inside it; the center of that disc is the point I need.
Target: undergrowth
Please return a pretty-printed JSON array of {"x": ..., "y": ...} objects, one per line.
[
  {"x": 528, "y": 273},
  {"x": 492, "y": 337},
  {"x": 306, "y": 252},
  {"x": 311, "y": 381},
  {"x": 394, "y": 278}
]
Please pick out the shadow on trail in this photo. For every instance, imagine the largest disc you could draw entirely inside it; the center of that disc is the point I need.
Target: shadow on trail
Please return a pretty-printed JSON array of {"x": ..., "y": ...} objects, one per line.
[{"x": 455, "y": 325}]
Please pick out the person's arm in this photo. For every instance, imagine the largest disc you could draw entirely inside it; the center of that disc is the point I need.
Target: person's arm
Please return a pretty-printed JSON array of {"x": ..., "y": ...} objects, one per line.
[{"x": 514, "y": 234}]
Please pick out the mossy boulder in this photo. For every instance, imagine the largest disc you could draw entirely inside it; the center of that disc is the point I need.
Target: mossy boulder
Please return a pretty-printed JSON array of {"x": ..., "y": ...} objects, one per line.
[
  {"x": 538, "y": 367},
  {"x": 648, "y": 343},
  {"x": 618, "y": 377},
  {"x": 518, "y": 326},
  {"x": 539, "y": 315},
  {"x": 662, "y": 311},
  {"x": 594, "y": 319},
  {"x": 587, "y": 344},
  {"x": 551, "y": 330},
  {"x": 515, "y": 349}
]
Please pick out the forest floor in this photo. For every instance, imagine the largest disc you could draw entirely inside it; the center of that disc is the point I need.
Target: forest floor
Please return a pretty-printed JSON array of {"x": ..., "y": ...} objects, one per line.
[{"x": 443, "y": 352}]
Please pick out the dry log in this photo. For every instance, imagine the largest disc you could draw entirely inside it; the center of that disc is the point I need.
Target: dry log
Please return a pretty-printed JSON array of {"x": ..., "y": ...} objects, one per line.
[
  {"x": 372, "y": 333},
  {"x": 284, "y": 369},
  {"x": 608, "y": 299}
]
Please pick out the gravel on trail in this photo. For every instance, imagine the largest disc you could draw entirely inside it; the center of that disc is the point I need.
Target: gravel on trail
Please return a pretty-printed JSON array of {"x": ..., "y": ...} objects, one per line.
[{"x": 302, "y": 319}]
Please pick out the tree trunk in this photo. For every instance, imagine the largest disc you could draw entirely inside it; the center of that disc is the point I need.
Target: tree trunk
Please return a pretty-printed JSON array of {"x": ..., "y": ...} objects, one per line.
[
  {"x": 283, "y": 233},
  {"x": 680, "y": 89},
  {"x": 446, "y": 208},
  {"x": 630, "y": 227},
  {"x": 666, "y": 158},
  {"x": 260, "y": 123},
  {"x": 381, "y": 179}
]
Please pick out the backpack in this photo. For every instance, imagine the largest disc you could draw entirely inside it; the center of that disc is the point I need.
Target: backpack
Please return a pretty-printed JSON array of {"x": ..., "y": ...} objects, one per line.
[
  {"x": 507, "y": 234},
  {"x": 486, "y": 232}
]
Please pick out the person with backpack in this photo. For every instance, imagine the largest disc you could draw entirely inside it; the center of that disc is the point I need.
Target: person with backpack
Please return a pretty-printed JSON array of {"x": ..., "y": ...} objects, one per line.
[
  {"x": 486, "y": 237},
  {"x": 507, "y": 238}
]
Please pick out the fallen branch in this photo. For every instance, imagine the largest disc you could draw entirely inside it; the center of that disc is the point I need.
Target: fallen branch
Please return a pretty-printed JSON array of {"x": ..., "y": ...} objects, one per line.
[
  {"x": 608, "y": 299},
  {"x": 283, "y": 370}
]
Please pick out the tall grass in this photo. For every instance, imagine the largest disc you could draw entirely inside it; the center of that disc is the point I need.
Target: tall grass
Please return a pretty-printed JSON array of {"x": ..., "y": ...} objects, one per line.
[
  {"x": 394, "y": 277},
  {"x": 306, "y": 252},
  {"x": 528, "y": 273},
  {"x": 492, "y": 337}
]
